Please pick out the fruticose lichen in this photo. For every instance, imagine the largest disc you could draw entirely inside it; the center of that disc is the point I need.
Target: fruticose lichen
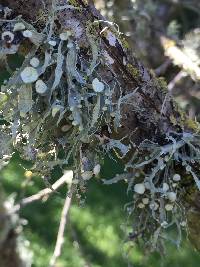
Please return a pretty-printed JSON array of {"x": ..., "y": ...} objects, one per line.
[
  {"x": 53, "y": 104},
  {"x": 158, "y": 173}
]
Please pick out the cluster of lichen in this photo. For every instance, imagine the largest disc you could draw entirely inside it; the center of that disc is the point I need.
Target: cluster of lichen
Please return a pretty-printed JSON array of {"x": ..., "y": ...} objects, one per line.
[
  {"x": 52, "y": 105},
  {"x": 155, "y": 175},
  {"x": 158, "y": 173}
]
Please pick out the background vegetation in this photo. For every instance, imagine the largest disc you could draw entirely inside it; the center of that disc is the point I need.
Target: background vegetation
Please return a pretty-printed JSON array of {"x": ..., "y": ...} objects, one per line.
[{"x": 95, "y": 234}]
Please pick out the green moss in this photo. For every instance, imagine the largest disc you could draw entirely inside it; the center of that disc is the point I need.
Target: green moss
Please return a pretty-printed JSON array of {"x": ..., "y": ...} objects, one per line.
[
  {"x": 76, "y": 3},
  {"x": 73, "y": 2},
  {"x": 3, "y": 99},
  {"x": 192, "y": 125},
  {"x": 173, "y": 120},
  {"x": 124, "y": 42},
  {"x": 183, "y": 121},
  {"x": 134, "y": 71},
  {"x": 162, "y": 84}
]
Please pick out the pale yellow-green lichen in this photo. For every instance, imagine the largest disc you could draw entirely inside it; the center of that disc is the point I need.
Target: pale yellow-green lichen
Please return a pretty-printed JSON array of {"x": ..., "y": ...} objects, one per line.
[
  {"x": 183, "y": 121},
  {"x": 124, "y": 42},
  {"x": 76, "y": 3},
  {"x": 192, "y": 125},
  {"x": 133, "y": 70},
  {"x": 162, "y": 84}
]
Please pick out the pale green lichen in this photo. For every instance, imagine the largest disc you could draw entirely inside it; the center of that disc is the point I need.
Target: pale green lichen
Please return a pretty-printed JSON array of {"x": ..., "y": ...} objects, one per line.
[
  {"x": 156, "y": 181},
  {"x": 35, "y": 116},
  {"x": 134, "y": 71}
]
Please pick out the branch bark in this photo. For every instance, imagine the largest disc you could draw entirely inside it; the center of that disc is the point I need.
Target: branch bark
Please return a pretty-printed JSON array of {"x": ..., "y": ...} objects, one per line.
[{"x": 66, "y": 178}]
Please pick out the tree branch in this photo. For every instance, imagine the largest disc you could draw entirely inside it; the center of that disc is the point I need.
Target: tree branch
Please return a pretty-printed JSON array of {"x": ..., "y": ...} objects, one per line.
[
  {"x": 66, "y": 178},
  {"x": 61, "y": 230}
]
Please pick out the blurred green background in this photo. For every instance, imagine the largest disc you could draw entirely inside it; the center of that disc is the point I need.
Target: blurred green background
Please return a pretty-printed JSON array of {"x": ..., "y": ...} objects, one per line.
[{"x": 94, "y": 235}]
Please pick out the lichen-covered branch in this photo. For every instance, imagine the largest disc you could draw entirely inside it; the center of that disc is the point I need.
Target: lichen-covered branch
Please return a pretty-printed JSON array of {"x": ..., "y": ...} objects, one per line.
[{"x": 81, "y": 94}]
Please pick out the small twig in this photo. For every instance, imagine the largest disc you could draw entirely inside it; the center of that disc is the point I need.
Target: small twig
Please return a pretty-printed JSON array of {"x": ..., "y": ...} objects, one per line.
[
  {"x": 66, "y": 178},
  {"x": 180, "y": 58},
  {"x": 163, "y": 67},
  {"x": 167, "y": 97},
  {"x": 176, "y": 79},
  {"x": 61, "y": 230}
]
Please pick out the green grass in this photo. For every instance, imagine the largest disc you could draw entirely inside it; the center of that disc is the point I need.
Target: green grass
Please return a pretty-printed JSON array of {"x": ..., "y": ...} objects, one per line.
[{"x": 94, "y": 232}]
